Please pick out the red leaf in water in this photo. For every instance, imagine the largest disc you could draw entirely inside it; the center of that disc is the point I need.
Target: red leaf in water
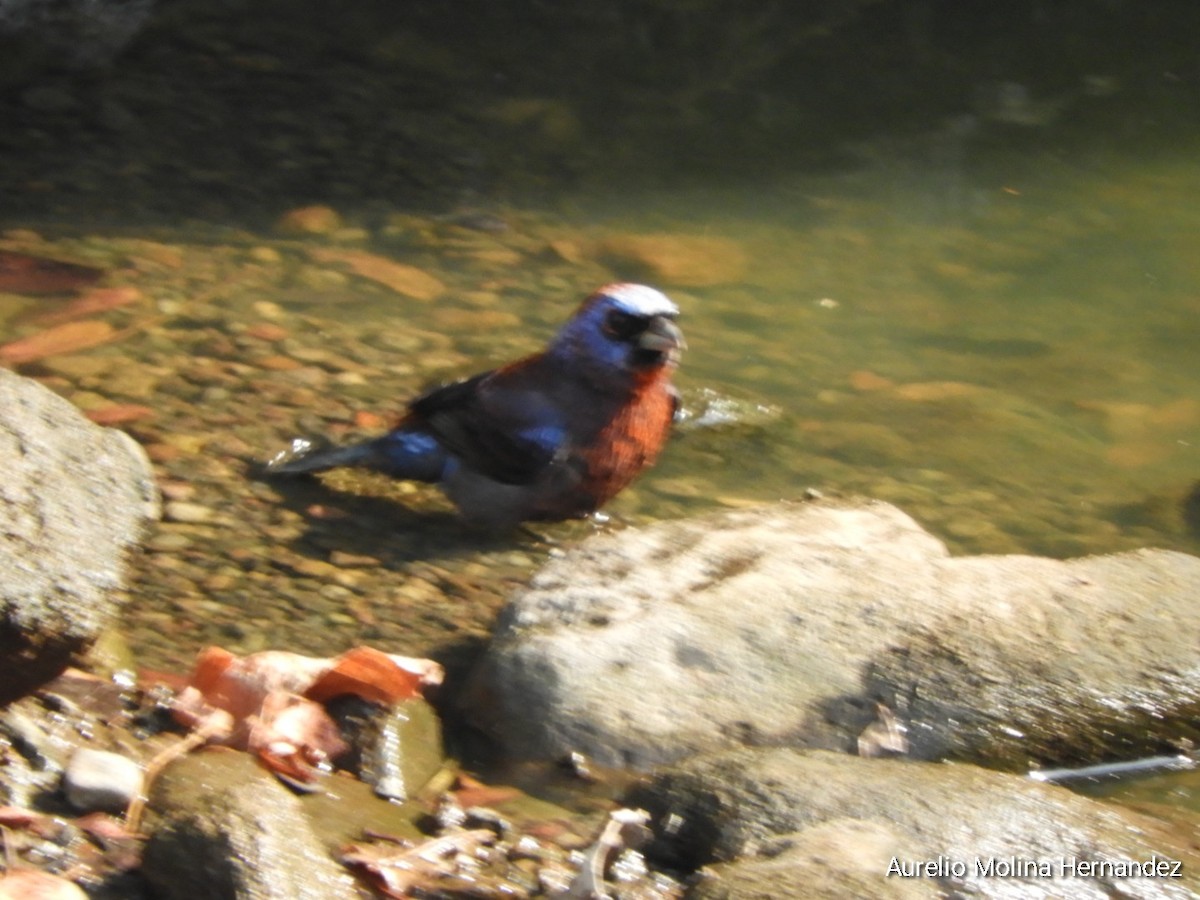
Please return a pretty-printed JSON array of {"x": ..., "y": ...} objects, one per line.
[
  {"x": 21, "y": 273},
  {"x": 94, "y": 301},
  {"x": 61, "y": 339},
  {"x": 119, "y": 414},
  {"x": 401, "y": 278}
]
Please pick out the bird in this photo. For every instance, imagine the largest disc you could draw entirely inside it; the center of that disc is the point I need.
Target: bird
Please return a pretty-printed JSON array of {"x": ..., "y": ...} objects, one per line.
[{"x": 549, "y": 437}]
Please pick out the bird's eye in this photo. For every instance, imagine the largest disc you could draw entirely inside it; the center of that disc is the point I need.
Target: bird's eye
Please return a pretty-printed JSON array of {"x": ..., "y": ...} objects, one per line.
[{"x": 623, "y": 325}]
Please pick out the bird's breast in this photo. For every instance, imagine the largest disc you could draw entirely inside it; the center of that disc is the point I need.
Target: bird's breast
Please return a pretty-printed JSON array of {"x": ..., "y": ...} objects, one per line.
[{"x": 627, "y": 444}]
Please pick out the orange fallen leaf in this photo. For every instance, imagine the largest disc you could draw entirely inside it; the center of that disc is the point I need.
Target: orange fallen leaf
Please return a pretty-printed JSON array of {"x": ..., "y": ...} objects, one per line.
[
  {"x": 268, "y": 702},
  {"x": 403, "y": 279},
  {"x": 119, "y": 413},
  {"x": 21, "y": 273},
  {"x": 374, "y": 676},
  {"x": 61, "y": 339},
  {"x": 94, "y": 301}
]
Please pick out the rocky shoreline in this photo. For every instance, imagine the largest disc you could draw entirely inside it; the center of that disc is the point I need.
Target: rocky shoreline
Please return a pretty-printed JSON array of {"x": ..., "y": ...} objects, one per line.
[{"x": 738, "y": 658}]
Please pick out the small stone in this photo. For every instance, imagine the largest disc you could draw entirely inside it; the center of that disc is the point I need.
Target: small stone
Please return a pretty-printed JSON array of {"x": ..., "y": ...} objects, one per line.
[
  {"x": 183, "y": 511},
  {"x": 268, "y": 310},
  {"x": 930, "y": 391},
  {"x": 278, "y": 363},
  {"x": 267, "y": 331},
  {"x": 100, "y": 781},
  {"x": 309, "y": 220},
  {"x": 177, "y": 490},
  {"x": 344, "y": 560},
  {"x": 168, "y": 542},
  {"x": 269, "y": 256}
]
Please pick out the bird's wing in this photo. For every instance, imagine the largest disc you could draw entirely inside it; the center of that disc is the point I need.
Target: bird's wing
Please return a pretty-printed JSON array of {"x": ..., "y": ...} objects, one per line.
[{"x": 499, "y": 423}]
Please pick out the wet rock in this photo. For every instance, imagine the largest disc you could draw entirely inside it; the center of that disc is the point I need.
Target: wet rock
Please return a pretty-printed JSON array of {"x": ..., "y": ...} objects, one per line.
[
  {"x": 97, "y": 780},
  {"x": 76, "y": 496},
  {"x": 829, "y": 861},
  {"x": 788, "y": 624},
  {"x": 309, "y": 220},
  {"x": 396, "y": 749},
  {"x": 835, "y": 823},
  {"x": 674, "y": 259},
  {"x": 223, "y": 829},
  {"x": 35, "y": 753}
]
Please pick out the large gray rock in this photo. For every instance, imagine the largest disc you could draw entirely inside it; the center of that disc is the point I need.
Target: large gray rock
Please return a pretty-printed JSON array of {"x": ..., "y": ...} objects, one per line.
[
  {"x": 73, "y": 498},
  {"x": 817, "y": 824},
  {"x": 225, "y": 829},
  {"x": 786, "y": 624}
]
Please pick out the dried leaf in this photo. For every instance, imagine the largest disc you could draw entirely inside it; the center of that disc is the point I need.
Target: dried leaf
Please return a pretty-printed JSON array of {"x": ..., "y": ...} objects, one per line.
[
  {"x": 106, "y": 828},
  {"x": 18, "y": 817},
  {"x": 403, "y": 279},
  {"x": 21, "y": 273},
  {"x": 55, "y": 341},
  {"x": 94, "y": 301},
  {"x": 266, "y": 702},
  {"x": 119, "y": 414},
  {"x": 397, "y": 871},
  {"x": 369, "y": 674}
]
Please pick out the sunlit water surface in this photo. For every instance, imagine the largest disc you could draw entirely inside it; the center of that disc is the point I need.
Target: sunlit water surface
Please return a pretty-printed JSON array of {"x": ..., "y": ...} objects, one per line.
[{"x": 992, "y": 320}]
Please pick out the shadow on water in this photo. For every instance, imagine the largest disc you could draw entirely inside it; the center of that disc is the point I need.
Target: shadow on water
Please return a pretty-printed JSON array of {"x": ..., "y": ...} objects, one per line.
[{"x": 384, "y": 528}]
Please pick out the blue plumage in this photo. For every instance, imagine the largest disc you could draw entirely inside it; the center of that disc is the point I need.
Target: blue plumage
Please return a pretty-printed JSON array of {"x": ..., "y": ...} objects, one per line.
[{"x": 552, "y": 436}]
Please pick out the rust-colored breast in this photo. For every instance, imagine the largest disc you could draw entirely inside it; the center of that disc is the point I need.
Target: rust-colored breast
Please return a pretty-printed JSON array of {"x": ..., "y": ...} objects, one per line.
[{"x": 630, "y": 442}]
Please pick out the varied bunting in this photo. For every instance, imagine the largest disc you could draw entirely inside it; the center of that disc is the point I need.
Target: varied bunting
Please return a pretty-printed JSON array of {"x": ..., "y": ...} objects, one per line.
[{"x": 552, "y": 436}]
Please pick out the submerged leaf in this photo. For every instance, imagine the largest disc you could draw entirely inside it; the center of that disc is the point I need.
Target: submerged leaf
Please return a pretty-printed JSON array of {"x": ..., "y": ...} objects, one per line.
[
  {"x": 401, "y": 278},
  {"x": 65, "y": 338},
  {"x": 94, "y": 301}
]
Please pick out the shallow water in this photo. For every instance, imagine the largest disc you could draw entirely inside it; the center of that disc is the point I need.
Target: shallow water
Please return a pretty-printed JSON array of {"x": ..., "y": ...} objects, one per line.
[{"x": 936, "y": 273}]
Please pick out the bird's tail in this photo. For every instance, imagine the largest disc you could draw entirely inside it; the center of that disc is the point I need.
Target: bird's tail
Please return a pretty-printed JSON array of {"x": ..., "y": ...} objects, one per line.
[
  {"x": 305, "y": 455},
  {"x": 402, "y": 453}
]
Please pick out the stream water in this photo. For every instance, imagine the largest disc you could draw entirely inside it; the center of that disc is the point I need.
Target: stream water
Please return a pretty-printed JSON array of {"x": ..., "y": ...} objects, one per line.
[{"x": 956, "y": 269}]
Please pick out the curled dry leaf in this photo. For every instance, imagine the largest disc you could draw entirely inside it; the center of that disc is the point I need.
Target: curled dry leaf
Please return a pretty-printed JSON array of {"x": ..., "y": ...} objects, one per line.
[
  {"x": 96, "y": 300},
  {"x": 269, "y": 702}
]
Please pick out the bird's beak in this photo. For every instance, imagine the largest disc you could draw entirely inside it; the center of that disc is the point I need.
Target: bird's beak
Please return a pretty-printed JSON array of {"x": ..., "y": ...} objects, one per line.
[{"x": 662, "y": 341}]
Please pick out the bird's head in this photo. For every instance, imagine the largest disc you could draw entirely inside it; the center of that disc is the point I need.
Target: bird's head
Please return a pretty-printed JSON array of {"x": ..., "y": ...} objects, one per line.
[{"x": 622, "y": 330}]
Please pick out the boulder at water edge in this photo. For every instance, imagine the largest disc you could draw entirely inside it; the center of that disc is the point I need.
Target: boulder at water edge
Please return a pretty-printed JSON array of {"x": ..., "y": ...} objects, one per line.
[
  {"x": 788, "y": 624},
  {"x": 73, "y": 498}
]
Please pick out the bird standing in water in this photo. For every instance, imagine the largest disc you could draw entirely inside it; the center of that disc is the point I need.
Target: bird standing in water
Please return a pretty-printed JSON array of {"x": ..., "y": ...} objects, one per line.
[{"x": 552, "y": 436}]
